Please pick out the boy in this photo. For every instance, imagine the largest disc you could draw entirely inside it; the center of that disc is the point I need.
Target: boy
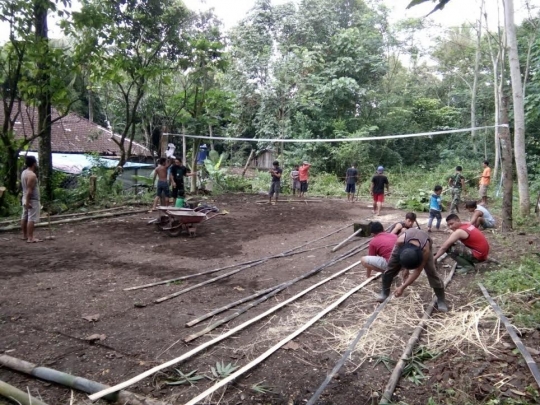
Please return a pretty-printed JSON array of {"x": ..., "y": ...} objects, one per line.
[
  {"x": 435, "y": 208},
  {"x": 295, "y": 180},
  {"x": 398, "y": 227},
  {"x": 457, "y": 183},
  {"x": 275, "y": 186},
  {"x": 378, "y": 183},
  {"x": 481, "y": 217},
  {"x": 380, "y": 249},
  {"x": 485, "y": 179},
  {"x": 351, "y": 177}
]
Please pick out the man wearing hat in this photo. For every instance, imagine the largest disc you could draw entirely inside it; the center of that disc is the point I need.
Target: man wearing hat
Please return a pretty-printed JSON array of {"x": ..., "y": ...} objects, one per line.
[
  {"x": 378, "y": 183},
  {"x": 303, "y": 176},
  {"x": 413, "y": 251}
]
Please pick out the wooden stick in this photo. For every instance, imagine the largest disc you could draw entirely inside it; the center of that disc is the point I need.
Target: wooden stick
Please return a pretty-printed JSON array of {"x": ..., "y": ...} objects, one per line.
[
  {"x": 212, "y": 342},
  {"x": 15, "y": 394},
  {"x": 413, "y": 340},
  {"x": 281, "y": 343},
  {"x": 68, "y": 215},
  {"x": 348, "y": 352},
  {"x": 346, "y": 240},
  {"x": 533, "y": 367},
  {"x": 68, "y": 221},
  {"x": 282, "y": 254},
  {"x": 68, "y": 380},
  {"x": 270, "y": 294}
]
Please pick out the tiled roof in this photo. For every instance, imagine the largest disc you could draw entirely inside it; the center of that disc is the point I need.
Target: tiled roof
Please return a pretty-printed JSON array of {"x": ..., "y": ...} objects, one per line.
[{"x": 71, "y": 134}]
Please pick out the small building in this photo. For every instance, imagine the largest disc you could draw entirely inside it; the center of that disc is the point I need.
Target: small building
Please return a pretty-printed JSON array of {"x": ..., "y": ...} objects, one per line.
[{"x": 264, "y": 159}]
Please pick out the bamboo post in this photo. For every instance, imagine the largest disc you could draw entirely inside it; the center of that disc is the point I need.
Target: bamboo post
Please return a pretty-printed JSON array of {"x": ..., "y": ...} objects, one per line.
[
  {"x": 72, "y": 220},
  {"x": 346, "y": 240},
  {"x": 348, "y": 352},
  {"x": 413, "y": 340},
  {"x": 250, "y": 158},
  {"x": 236, "y": 264},
  {"x": 219, "y": 338},
  {"x": 533, "y": 367},
  {"x": 68, "y": 380},
  {"x": 15, "y": 394},
  {"x": 280, "y": 344},
  {"x": 93, "y": 187},
  {"x": 270, "y": 294}
]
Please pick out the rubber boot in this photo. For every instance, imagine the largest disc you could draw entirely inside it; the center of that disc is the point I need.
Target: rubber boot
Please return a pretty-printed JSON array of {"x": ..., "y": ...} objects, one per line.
[
  {"x": 441, "y": 303},
  {"x": 385, "y": 292}
]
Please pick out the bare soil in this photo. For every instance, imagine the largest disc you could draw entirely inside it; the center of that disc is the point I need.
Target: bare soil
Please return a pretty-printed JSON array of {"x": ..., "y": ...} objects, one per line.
[{"x": 47, "y": 288}]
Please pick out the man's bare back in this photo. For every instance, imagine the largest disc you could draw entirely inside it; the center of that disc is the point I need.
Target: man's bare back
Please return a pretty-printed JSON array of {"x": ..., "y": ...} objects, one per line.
[{"x": 161, "y": 173}]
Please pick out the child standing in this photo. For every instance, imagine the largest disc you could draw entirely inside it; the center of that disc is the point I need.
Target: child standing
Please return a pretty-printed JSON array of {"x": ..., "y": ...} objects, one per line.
[{"x": 435, "y": 208}]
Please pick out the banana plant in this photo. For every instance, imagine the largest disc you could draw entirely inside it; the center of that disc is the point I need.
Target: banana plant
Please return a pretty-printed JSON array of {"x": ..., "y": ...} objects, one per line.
[{"x": 213, "y": 166}]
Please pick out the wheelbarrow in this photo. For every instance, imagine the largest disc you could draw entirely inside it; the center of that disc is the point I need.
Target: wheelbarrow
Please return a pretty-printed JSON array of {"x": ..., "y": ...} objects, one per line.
[{"x": 174, "y": 220}]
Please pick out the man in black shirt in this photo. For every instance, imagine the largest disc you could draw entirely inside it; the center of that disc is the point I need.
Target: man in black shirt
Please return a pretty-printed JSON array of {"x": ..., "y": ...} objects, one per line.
[
  {"x": 351, "y": 177},
  {"x": 275, "y": 186},
  {"x": 178, "y": 171},
  {"x": 378, "y": 183}
]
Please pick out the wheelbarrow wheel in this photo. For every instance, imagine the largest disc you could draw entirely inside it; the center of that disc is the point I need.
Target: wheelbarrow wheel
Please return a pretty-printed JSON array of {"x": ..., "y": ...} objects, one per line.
[{"x": 175, "y": 231}]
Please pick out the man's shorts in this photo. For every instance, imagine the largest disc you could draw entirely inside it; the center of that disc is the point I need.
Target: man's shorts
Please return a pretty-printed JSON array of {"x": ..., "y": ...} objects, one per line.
[
  {"x": 296, "y": 184},
  {"x": 163, "y": 188},
  {"x": 32, "y": 214},
  {"x": 275, "y": 188},
  {"x": 303, "y": 186},
  {"x": 350, "y": 189},
  {"x": 378, "y": 198},
  {"x": 489, "y": 223},
  {"x": 178, "y": 191},
  {"x": 377, "y": 261},
  {"x": 483, "y": 190}
]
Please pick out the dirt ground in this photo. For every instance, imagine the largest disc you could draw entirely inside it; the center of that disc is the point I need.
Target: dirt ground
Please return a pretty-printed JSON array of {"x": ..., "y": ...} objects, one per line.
[{"x": 47, "y": 289}]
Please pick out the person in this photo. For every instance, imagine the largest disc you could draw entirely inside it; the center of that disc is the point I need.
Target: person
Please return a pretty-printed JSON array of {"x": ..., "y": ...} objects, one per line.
[
  {"x": 398, "y": 227},
  {"x": 466, "y": 245},
  {"x": 457, "y": 183},
  {"x": 351, "y": 177},
  {"x": 435, "y": 208},
  {"x": 481, "y": 217},
  {"x": 303, "y": 176},
  {"x": 378, "y": 183},
  {"x": 379, "y": 251},
  {"x": 485, "y": 179},
  {"x": 275, "y": 186},
  {"x": 295, "y": 180},
  {"x": 413, "y": 251},
  {"x": 30, "y": 200},
  {"x": 178, "y": 172},
  {"x": 163, "y": 192}
]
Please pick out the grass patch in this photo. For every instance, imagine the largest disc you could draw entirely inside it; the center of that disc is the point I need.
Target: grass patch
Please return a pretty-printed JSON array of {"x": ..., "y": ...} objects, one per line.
[{"x": 518, "y": 286}]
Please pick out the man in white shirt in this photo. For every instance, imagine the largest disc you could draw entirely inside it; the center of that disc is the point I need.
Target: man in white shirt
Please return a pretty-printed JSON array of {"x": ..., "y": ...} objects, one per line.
[{"x": 481, "y": 217}]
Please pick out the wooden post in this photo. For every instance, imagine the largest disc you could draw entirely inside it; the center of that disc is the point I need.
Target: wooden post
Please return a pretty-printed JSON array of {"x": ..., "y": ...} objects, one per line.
[
  {"x": 507, "y": 167},
  {"x": 93, "y": 188},
  {"x": 163, "y": 145},
  {"x": 250, "y": 158}
]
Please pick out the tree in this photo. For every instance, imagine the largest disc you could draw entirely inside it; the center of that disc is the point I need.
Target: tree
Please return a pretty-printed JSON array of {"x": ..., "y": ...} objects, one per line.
[{"x": 519, "y": 109}]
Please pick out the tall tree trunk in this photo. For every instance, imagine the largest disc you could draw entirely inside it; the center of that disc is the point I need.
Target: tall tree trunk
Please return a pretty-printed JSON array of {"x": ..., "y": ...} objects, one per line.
[
  {"x": 44, "y": 101},
  {"x": 474, "y": 90},
  {"x": 12, "y": 170},
  {"x": 519, "y": 110},
  {"x": 507, "y": 167}
]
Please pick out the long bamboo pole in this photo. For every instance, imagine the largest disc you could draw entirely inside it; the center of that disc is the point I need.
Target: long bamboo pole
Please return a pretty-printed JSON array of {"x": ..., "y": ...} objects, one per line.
[
  {"x": 239, "y": 264},
  {"x": 212, "y": 342},
  {"x": 15, "y": 394},
  {"x": 346, "y": 240},
  {"x": 68, "y": 380},
  {"x": 270, "y": 294},
  {"x": 533, "y": 367},
  {"x": 348, "y": 352},
  {"x": 277, "y": 346},
  {"x": 75, "y": 214},
  {"x": 71, "y": 220},
  {"x": 413, "y": 340}
]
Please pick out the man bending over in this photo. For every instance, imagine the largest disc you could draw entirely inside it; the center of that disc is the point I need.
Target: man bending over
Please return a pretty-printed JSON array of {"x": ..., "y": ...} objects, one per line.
[{"x": 380, "y": 249}]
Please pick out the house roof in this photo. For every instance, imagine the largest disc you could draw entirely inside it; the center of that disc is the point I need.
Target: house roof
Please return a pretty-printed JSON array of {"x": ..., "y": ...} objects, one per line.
[{"x": 70, "y": 134}]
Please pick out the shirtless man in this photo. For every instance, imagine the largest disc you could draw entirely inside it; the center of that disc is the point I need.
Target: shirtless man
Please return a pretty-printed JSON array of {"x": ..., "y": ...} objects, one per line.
[
  {"x": 30, "y": 200},
  {"x": 163, "y": 192},
  {"x": 399, "y": 227}
]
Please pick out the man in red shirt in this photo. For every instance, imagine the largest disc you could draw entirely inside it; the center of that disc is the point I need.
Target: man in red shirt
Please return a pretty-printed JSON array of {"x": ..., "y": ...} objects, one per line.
[
  {"x": 466, "y": 245},
  {"x": 303, "y": 176},
  {"x": 380, "y": 249}
]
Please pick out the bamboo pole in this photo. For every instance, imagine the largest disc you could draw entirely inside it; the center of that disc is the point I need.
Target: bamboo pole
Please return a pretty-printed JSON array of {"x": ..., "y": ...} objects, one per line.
[
  {"x": 71, "y": 220},
  {"x": 413, "y": 340},
  {"x": 348, "y": 352},
  {"x": 68, "y": 380},
  {"x": 280, "y": 344},
  {"x": 270, "y": 294},
  {"x": 346, "y": 240},
  {"x": 533, "y": 367},
  {"x": 212, "y": 342},
  {"x": 74, "y": 214},
  {"x": 15, "y": 394}
]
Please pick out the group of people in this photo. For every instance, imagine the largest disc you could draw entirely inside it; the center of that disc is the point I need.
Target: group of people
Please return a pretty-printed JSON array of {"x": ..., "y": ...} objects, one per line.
[
  {"x": 170, "y": 172},
  {"x": 299, "y": 178}
]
